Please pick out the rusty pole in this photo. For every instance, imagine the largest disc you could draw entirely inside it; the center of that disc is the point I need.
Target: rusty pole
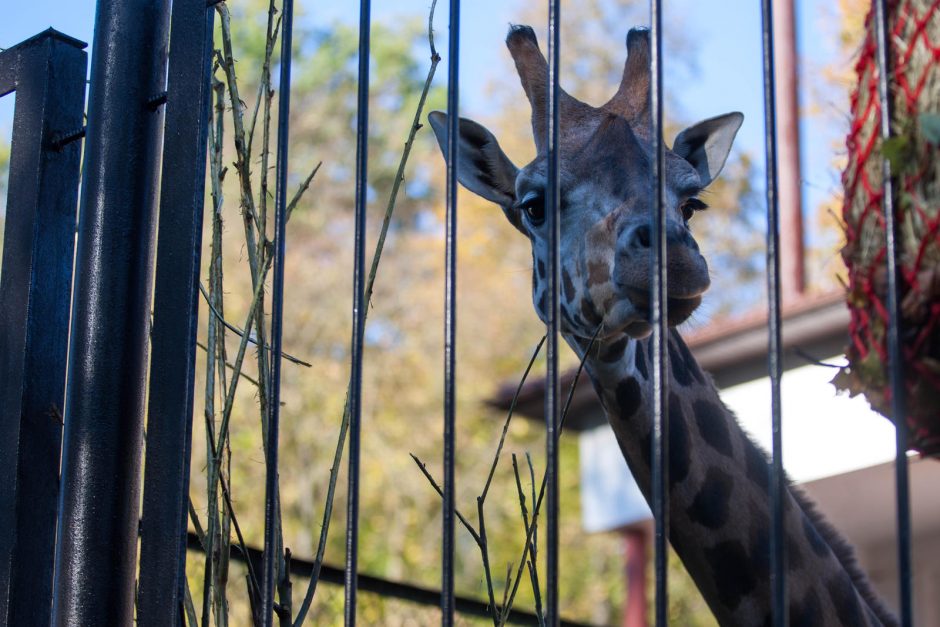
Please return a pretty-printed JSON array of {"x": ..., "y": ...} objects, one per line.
[{"x": 792, "y": 273}]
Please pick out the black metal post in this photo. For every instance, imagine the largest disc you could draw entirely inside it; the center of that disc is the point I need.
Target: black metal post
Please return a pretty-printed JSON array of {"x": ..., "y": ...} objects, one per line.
[
  {"x": 660, "y": 384},
  {"x": 553, "y": 390},
  {"x": 893, "y": 297},
  {"x": 450, "y": 316},
  {"x": 272, "y": 525},
  {"x": 48, "y": 73},
  {"x": 175, "y": 317},
  {"x": 358, "y": 314},
  {"x": 98, "y": 512},
  {"x": 777, "y": 488}
]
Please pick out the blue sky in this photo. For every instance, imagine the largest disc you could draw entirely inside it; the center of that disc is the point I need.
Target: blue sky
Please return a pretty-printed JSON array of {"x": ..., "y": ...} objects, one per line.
[{"x": 726, "y": 35}]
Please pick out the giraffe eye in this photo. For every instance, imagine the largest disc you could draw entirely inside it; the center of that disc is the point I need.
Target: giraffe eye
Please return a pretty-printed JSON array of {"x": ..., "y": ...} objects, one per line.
[
  {"x": 533, "y": 204},
  {"x": 690, "y": 206}
]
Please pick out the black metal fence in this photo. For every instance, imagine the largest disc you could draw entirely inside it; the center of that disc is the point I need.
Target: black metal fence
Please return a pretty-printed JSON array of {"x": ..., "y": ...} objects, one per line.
[{"x": 94, "y": 506}]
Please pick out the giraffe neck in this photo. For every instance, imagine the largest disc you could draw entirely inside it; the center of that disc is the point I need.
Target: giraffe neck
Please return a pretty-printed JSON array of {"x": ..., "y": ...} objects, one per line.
[{"x": 719, "y": 515}]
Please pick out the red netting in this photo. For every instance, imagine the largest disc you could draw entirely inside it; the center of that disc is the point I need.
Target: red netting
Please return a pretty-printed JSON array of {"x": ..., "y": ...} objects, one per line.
[{"x": 915, "y": 86}]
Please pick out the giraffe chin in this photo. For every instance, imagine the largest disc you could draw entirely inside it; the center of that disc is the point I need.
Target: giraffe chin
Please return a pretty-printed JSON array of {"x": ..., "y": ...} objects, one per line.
[{"x": 627, "y": 317}]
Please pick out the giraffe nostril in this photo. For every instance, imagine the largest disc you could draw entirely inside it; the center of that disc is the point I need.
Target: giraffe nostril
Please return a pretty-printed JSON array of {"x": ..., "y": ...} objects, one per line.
[{"x": 640, "y": 237}]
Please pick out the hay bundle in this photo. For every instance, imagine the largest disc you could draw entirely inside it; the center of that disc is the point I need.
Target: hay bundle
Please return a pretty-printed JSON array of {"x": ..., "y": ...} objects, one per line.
[{"x": 914, "y": 31}]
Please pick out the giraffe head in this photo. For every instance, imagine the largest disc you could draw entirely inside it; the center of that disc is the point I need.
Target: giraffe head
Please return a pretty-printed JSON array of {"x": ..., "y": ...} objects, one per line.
[{"x": 606, "y": 194}]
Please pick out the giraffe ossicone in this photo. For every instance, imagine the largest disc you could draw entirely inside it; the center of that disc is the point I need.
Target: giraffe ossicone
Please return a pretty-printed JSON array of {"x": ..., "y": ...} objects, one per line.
[{"x": 718, "y": 478}]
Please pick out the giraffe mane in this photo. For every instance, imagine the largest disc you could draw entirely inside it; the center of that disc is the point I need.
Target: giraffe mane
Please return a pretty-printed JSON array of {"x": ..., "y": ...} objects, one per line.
[{"x": 845, "y": 553}]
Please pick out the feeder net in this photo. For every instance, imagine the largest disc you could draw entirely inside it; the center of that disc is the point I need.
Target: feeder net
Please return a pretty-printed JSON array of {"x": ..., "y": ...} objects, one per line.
[{"x": 914, "y": 33}]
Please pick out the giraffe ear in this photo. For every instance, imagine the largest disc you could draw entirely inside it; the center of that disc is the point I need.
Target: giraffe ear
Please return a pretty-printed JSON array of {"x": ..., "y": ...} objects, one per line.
[
  {"x": 706, "y": 145},
  {"x": 483, "y": 167}
]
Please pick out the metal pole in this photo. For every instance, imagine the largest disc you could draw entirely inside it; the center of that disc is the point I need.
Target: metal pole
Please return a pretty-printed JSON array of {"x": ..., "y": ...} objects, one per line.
[
  {"x": 659, "y": 339},
  {"x": 272, "y": 527},
  {"x": 450, "y": 316},
  {"x": 893, "y": 297},
  {"x": 778, "y": 557},
  {"x": 98, "y": 511},
  {"x": 175, "y": 318},
  {"x": 358, "y": 314},
  {"x": 48, "y": 73},
  {"x": 553, "y": 390}
]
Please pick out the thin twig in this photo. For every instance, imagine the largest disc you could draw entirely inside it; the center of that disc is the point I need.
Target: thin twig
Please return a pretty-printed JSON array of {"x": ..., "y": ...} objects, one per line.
[
  {"x": 301, "y": 190},
  {"x": 273, "y": 26},
  {"x": 512, "y": 408},
  {"x": 533, "y": 571},
  {"x": 197, "y": 526},
  {"x": 506, "y": 587},
  {"x": 242, "y": 161},
  {"x": 538, "y": 502},
  {"x": 228, "y": 365},
  {"x": 188, "y": 604},
  {"x": 239, "y": 358},
  {"x": 485, "y": 554},
  {"x": 234, "y": 329},
  {"x": 427, "y": 475}
]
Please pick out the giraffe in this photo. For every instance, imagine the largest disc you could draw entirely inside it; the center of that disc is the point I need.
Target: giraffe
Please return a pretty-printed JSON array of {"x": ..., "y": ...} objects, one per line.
[{"x": 718, "y": 478}]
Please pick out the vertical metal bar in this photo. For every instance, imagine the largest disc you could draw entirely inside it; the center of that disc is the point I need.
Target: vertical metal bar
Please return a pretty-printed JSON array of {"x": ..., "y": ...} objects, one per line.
[
  {"x": 175, "y": 318},
  {"x": 271, "y": 513},
  {"x": 898, "y": 392},
  {"x": 96, "y": 563},
  {"x": 552, "y": 390},
  {"x": 358, "y": 314},
  {"x": 48, "y": 72},
  {"x": 450, "y": 315},
  {"x": 660, "y": 439},
  {"x": 778, "y": 580}
]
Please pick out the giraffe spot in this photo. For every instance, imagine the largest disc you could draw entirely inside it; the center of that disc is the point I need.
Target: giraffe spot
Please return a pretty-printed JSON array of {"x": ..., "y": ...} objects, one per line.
[
  {"x": 628, "y": 397},
  {"x": 794, "y": 553},
  {"x": 756, "y": 463},
  {"x": 808, "y": 611},
  {"x": 541, "y": 268},
  {"x": 646, "y": 448},
  {"x": 689, "y": 360},
  {"x": 711, "y": 505},
  {"x": 760, "y": 544},
  {"x": 567, "y": 285},
  {"x": 845, "y": 599},
  {"x": 680, "y": 371},
  {"x": 712, "y": 425},
  {"x": 598, "y": 273},
  {"x": 816, "y": 542},
  {"x": 613, "y": 352},
  {"x": 568, "y": 317},
  {"x": 589, "y": 312},
  {"x": 641, "y": 364},
  {"x": 680, "y": 457},
  {"x": 732, "y": 572},
  {"x": 542, "y": 305}
]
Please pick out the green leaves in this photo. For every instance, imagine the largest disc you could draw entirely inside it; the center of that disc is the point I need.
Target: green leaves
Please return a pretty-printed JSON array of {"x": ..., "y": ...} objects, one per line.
[
  {"x": 897, "y": 150},
  {"x": 930, "y": 127}
]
